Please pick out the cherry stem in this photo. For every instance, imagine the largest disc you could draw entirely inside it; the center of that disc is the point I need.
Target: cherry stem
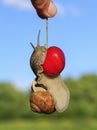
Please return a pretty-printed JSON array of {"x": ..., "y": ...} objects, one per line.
[{"x": 46, "y": 44}]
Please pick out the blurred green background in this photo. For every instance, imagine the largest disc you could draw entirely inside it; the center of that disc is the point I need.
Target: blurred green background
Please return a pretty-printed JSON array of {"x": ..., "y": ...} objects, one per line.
[{"x": 81, "y": 114}]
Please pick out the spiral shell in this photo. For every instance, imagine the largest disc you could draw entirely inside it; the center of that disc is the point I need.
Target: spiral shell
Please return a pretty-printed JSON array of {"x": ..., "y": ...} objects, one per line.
[{"x": 42, "y": 102}]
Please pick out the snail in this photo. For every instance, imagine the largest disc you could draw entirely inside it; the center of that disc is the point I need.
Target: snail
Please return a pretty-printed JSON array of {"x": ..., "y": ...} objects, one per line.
[
  {"x": 47, "y": 82},
  {"x": 44, "y": 8}
]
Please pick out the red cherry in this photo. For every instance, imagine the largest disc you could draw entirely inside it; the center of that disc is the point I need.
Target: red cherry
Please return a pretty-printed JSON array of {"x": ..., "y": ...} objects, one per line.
[{"x": 54, "y": 62}]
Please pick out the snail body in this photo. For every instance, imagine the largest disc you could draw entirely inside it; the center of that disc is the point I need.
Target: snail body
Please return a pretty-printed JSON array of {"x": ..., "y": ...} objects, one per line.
[{"x": 37, "y": 58}]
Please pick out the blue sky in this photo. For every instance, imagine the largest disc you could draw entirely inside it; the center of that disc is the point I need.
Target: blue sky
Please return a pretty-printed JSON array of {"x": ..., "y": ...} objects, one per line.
[{"x": 73, "y": 29}]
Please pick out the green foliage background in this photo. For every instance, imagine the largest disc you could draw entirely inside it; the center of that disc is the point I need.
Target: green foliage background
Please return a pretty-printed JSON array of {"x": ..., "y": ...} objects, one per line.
[
  {"x": 15, "y": 112},
  {"x": 83, "y": 101}
]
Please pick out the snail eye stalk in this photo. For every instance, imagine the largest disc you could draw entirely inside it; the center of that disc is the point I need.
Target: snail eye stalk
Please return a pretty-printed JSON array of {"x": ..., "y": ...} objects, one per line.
[
  {"x": 32, "y": 45},
  {"x": 38, "y": 39}
]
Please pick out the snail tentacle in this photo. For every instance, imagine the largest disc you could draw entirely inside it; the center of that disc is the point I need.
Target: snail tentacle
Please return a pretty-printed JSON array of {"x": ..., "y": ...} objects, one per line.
[
  {"x": 32, "y": 45},
  {"x": 38, "y": 38}
]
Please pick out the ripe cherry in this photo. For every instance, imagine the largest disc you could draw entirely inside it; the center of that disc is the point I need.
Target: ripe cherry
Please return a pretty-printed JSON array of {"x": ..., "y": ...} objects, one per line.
[{"x": 54, "y": 62}]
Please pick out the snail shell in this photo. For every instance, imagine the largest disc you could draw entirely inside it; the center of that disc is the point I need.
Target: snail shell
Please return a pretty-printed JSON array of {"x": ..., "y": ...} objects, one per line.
[
  {"x": 44, "y": 8},
  {"x": 41, "y": 101}
]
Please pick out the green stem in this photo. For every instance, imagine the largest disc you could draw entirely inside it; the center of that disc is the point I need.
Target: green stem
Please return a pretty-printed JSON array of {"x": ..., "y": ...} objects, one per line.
[{"x": 46, "y": 44}]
